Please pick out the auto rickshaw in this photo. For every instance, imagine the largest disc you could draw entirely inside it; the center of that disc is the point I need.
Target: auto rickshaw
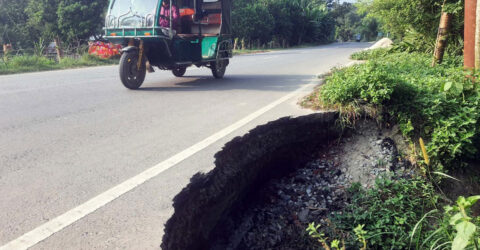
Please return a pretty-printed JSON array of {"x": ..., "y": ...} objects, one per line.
[{"x": 195, "y": 32}]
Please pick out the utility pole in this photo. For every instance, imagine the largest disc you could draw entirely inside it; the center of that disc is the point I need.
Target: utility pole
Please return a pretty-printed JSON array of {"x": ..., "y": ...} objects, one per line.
[
  {"x": 469, "y": 40},
  {"x": 477, "y": 37}
]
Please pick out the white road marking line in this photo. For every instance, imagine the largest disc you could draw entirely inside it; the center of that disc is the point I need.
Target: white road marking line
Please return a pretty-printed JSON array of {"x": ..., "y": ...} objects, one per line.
[
  {"x": 270, "y": 57},
  {"x": 57, "y": 224}
]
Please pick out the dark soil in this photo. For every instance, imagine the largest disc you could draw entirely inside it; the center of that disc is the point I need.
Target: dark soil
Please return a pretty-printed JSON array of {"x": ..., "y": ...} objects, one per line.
[{"x": 277, "y": 215}]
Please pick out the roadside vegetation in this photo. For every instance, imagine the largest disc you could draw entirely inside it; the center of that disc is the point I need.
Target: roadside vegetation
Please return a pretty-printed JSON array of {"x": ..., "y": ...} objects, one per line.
[
  {"x": 439, "y": 105},
  {"x": 436, "y": 110},
  {"x": 32, "y": 63}
]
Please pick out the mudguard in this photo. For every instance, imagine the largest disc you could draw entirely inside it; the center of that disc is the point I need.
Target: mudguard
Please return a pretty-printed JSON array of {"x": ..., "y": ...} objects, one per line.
[{"x": 129, "y": 48}]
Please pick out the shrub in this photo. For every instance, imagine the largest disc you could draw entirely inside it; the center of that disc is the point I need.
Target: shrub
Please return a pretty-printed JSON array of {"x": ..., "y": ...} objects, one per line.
[
  {"x": 438, "y": 104},
  {"x": 388, "y": 213}
]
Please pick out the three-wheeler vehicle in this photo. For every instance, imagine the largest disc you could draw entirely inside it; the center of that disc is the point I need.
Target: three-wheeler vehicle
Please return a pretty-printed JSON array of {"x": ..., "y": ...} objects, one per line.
[{"x": 171, "y": 35}]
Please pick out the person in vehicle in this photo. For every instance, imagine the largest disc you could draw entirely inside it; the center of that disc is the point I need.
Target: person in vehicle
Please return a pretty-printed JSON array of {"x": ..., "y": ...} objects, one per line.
[{"x": 164, "y": 20}]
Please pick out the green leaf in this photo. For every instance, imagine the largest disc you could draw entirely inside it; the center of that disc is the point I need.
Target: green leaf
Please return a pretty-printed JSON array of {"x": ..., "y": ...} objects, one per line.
[
  {"x": 454, "y": 219},
  {"x": 473, "y": 199},
  {"x": 465, "y": 231},
  {"x": 448, "y": 86}
]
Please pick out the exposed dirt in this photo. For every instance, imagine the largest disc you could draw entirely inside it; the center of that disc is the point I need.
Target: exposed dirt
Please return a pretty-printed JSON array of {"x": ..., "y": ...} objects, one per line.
[
  {"x": 369, "y": 152},
  {"x": 278, "y": 216}
]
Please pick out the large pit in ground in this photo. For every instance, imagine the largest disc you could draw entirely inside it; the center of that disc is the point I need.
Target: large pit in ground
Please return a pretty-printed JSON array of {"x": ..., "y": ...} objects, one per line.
[{"x": 270, "y": 183}]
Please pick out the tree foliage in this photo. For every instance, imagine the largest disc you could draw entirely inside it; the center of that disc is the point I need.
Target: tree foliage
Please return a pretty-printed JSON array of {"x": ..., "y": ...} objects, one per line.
[
  {"x": 13, "y": 22},
  {"x": 80, "y": 19},
  {"x": 24, "y": 22},
  {"x": 292, "y": 21},
  {"x": 416, "y": 21}
]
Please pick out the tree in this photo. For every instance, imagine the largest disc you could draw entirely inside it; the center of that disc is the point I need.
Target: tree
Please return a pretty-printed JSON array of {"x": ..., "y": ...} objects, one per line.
[
  {"x": 290, "y": 21},
  {"x": 253, "y": 22},
  {"x": 80, "y": 19},
  {"x": 13, "y": 23},
  {"x": 347, "y": 21},
  {"x": 416, "y": 20},
  {"x": 69, "y": 21}
]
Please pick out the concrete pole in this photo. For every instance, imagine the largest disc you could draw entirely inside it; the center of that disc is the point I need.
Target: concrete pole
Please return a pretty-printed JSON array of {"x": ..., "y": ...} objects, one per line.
[
  {"x": 477, "y": 37},
  {"x": 469, "y": 40}
]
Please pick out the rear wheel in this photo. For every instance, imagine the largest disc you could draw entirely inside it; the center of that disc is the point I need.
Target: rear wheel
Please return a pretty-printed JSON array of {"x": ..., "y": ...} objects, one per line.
[
  {"x": 179, "y": 72},
  {"x": 132, "y": 77},
  {"x": 218, "y": 68}
]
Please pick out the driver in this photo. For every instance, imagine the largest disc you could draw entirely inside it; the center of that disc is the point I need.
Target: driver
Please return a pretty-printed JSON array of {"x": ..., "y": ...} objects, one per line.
[{"x": 164, "y": 20}]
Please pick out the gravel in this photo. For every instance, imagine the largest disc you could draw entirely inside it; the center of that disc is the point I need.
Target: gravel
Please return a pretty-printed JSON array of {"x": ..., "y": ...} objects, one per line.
[{"x": 277, "y": 219}]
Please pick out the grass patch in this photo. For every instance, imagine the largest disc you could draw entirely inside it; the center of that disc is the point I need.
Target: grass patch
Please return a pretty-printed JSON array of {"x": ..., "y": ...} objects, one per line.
[
  {"x": 250, "y": 51},
  {"x": 27, "y": 63},
  {"x": 388, "y": 213},
  {"x": 370, "y": 54},
  {"x": 263, "y": 50},
  {"x": 401, "y": 213}
]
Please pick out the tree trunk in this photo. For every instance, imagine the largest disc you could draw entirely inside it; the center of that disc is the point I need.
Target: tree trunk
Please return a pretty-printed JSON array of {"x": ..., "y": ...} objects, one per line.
[
  {"x": 7, "y": 48},
  {"x": 58, "y": 47},
  {"x": 442, "y": 36},
  {"x": 477, "y": 37}
]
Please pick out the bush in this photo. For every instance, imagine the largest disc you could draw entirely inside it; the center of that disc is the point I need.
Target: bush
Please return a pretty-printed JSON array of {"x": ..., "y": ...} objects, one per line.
[
  {"x": 438, "y": 104},
  {"x": 393, "y": 215},
  {"x": 388, "y": 213}
]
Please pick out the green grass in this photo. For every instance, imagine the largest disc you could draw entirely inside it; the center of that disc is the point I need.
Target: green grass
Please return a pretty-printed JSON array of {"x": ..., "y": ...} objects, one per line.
[
  {"x": 401, "y": 213},
  {"x": 262, "y": 50},
  {"x": 250, "y": 51},
  {"x": 389, "y": 212},
  {"x": 370, "y": 54},
  {"x": 23, "y": 64}
]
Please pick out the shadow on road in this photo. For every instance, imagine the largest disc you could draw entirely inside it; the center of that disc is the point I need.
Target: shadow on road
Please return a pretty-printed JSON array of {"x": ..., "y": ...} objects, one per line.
[{"x": 284, "y": 83}]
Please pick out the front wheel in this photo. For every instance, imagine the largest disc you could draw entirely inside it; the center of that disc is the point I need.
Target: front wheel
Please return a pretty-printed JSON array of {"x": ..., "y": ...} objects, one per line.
[
  {"x": 179, "y": 72},
  {"x": 218, "y": 68},
  {"x": 131, "y": 75}
]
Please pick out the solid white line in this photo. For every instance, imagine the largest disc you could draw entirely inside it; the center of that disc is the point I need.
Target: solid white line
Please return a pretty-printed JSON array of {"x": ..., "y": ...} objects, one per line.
[
  {"x": 55, "y": 225},
  {"x": 270, "y": 57}
]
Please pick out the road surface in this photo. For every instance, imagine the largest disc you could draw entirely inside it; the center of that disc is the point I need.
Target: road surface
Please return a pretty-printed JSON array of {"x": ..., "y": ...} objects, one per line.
[{"x": 77, "y": 139}]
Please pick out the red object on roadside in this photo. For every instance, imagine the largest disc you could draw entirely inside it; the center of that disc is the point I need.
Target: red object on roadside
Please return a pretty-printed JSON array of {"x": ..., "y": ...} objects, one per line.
[{"x": 104, "y": 50}]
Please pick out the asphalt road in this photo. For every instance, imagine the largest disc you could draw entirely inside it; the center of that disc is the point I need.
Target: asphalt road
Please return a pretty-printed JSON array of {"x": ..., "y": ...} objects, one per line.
[{"x": 69, "y": 136}]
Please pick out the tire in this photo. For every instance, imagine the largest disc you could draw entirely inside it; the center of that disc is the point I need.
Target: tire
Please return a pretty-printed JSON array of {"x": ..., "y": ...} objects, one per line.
[
  {"x": 218, "y": 68},
  {"x": 179, "y": 72},
  {"x": 131, "y": 76}
]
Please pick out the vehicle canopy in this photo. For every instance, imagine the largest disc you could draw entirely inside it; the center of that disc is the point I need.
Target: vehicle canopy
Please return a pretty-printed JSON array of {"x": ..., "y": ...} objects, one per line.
[{"x": 142, "y": 15}]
